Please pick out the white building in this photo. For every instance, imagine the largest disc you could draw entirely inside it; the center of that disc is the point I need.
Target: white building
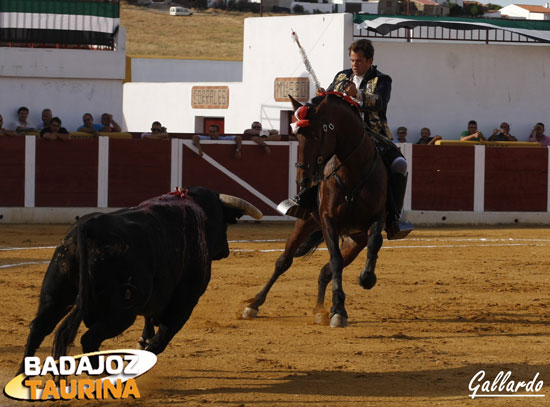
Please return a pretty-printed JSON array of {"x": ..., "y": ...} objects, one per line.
[
  {"x": 436, "y": 84},
  {"x": 526, "y": 11}
]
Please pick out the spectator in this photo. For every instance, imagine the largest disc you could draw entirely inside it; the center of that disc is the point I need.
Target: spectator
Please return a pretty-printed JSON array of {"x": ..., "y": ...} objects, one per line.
[
  {"x": 3, "y": 131},
  {"x": 260, "y": 136},
  {"x": 401, "y": 134},
  {"x": 22, "y": 124},
  {"x": 472, "y": 134},
  {"x": 256, "y": 130},
  {"x": 157, "y": 132},
  {"x": 537, "y": 135},
  {"x": 425, "y": 137},
  {"x": 214, "y": 134},
  {"x": 89, "y": 125},
  {"x": 109, "y": 125},
  {"x": 503, "y": 134},
  {"x": 46, "y": 117},
  {"x": 55, "y": 131}
]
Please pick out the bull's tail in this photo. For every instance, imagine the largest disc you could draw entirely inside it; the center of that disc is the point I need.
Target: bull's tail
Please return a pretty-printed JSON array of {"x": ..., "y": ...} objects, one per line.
[
  {"x": 310, "y": 244},
  {"x": 66, "y": 333}
]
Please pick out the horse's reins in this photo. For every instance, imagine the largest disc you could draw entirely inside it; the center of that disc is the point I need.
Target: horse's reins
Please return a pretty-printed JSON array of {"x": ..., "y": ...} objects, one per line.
[
  {"x": 350, "y": 196},
  {"x": 301, "y": 116}
]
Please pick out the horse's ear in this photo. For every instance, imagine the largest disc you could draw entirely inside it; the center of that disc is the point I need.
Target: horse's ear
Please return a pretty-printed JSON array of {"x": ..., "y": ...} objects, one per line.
[{"x": 295, "y": 104}]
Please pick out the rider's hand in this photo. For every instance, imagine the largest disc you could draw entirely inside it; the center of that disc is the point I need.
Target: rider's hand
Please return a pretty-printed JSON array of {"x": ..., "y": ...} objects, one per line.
[
  {"x": 350, "y": 89},
  {"x": 318, "y": 91}
]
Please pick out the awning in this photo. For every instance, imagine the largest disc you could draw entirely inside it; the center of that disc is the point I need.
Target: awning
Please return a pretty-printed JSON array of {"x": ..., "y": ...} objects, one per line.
[
  {"x": 74, "y": 22},
  {"x": 382, "y": 24}
]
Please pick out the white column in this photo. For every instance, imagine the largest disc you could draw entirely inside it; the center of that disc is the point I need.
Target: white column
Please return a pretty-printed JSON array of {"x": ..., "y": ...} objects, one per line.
[
  {"x": 176, "y": 163},
  {"x": 30, "y": 170},
  {"x": 407, "y": 151},
  {"x": 103, "y": 172},
  {"x": 548, "y": 184},
  {"x": 292, "y": 159},
  {"x": 479, "y": 179}
]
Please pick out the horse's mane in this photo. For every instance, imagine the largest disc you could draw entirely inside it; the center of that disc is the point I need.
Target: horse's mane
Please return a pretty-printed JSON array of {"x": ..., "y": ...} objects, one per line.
[{"x": 319, "y": 101}]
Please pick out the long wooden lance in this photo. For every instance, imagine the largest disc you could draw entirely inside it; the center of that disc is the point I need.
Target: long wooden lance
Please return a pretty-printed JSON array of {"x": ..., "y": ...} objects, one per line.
[{"x": 307, "y": 64}]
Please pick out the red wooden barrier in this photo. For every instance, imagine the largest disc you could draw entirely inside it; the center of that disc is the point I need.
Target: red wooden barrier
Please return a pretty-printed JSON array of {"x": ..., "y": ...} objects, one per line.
[
  {"x": 12, "y": 170},
  {"x": 516, "y": 179},
  {"x": 66, "y": 173},
  {"x": 138, "y": 170},
  {"x": 443, "y": 178},
  {"x": 267, "y": 174}
]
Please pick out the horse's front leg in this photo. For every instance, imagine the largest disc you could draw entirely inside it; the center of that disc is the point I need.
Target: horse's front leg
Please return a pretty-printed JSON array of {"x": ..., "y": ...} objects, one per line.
[
  {"x": 338, "y": 314},
  {"x": 302, "y": 229},
  {"x": 351, "y": 247},
  {"x": 367, "y": 278}
]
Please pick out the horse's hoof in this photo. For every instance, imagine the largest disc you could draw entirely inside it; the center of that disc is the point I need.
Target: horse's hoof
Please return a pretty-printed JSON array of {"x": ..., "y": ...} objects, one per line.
[
  {"x": 321, "y": 318},
  {"x": 368, "y": 281},
  {"x": 338, "y": 321},
  {"x": 250, "y": 313}
]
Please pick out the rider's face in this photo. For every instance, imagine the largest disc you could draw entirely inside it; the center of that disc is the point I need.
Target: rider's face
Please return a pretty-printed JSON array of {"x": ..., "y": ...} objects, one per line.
[{"x": 359, "y": 64}]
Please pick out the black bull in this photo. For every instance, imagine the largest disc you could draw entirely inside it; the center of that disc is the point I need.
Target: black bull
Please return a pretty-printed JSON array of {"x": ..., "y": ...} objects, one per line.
[{"x": 152, "y": 260}]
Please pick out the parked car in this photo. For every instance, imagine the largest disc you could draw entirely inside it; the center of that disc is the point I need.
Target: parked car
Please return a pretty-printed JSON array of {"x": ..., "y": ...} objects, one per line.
[{"x": 180, "y": 11}]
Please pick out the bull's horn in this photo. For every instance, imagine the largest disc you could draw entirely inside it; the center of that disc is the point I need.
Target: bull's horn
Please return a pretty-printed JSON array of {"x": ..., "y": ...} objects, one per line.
[{"x": 238, "y": 203}]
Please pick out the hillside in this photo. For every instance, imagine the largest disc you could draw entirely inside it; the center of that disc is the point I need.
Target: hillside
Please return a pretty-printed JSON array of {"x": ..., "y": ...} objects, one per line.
[{"x": 209, "y": 34}]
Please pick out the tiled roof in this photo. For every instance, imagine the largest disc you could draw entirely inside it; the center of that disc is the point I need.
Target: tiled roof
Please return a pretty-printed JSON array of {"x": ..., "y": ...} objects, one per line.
[{"x": 533, "y": 8}]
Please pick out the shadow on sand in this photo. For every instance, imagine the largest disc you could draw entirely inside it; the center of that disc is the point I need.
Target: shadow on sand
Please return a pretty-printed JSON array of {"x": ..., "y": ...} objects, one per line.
[{"x": 452, "y": 382}]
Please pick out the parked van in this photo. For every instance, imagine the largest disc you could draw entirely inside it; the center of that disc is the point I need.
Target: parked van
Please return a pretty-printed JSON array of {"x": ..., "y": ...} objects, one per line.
[{"x": 180, "y": 11}]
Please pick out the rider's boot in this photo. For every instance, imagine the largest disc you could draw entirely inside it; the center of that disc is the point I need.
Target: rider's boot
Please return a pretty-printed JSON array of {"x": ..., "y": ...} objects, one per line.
[
  {"x": 395, "y": 227},
  {"x": 301, "y": 205}
]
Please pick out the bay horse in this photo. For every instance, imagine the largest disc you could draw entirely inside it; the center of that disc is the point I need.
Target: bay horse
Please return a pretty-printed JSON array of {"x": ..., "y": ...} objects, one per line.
[{"x": 336, "y": 151}]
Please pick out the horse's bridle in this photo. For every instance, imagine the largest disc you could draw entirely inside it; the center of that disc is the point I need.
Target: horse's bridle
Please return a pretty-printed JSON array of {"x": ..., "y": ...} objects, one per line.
[{"x": 319, "y": 163}]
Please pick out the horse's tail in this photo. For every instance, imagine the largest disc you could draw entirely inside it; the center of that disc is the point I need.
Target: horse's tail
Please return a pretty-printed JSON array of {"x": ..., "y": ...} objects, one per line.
[{"x": 310, "y": 244}]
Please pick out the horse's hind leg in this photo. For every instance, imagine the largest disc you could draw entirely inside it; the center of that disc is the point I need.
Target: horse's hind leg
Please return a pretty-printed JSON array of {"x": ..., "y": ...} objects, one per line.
[
  {"x": 302, "y": 229},
  {"x": 367, "y": 279},
  {"x": 351, "y": 247}
]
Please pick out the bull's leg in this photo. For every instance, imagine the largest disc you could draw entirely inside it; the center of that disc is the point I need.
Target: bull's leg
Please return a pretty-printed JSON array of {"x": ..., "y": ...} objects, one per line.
[
  {"x": 351, "y": 247},
  {"x": 176, "y": 315},
  {"x": 367, "y": 278},
  {"x": 302, "y": 229},
  {"x": 113, "y": 324},
  {"x": 57, "y": 295},
  {"x": 147, "y": 334}
]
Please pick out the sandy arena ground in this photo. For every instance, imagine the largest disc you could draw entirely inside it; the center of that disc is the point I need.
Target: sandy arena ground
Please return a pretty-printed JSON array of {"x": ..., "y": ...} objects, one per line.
[{"x": 448, "y": 303}]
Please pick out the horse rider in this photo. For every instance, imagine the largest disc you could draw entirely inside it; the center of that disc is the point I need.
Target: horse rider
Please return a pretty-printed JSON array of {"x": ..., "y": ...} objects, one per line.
[{"x": 371, "y": 89}]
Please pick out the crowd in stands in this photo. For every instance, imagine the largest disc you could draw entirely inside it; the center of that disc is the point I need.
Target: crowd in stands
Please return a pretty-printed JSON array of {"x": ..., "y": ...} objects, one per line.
[
  {"x": 50, "y": 129},
  {"x": 473, "y": 134}
]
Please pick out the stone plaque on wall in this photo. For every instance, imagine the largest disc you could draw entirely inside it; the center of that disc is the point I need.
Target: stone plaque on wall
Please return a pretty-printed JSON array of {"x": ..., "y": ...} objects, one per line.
[
  {"x": 297, "y": 87},
  {"x": 210, "y": 97}
]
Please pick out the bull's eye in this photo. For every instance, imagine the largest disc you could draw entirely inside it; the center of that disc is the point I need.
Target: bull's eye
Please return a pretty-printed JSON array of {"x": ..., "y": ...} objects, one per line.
[{"x": 127, "y": 294}]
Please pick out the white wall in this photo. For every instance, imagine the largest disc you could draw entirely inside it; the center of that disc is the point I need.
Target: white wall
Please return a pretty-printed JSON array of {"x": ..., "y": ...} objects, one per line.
[
  {"x": 269, "y": 52},
  {"x": 437, "y": 85},
  {"x": 185, "y": 70},
  {"x": 69, "y": 81},
  {"x": 443, "y": 86},
  {"x": 514, "y": 11},
  {"x": 69, "y": 99}
]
